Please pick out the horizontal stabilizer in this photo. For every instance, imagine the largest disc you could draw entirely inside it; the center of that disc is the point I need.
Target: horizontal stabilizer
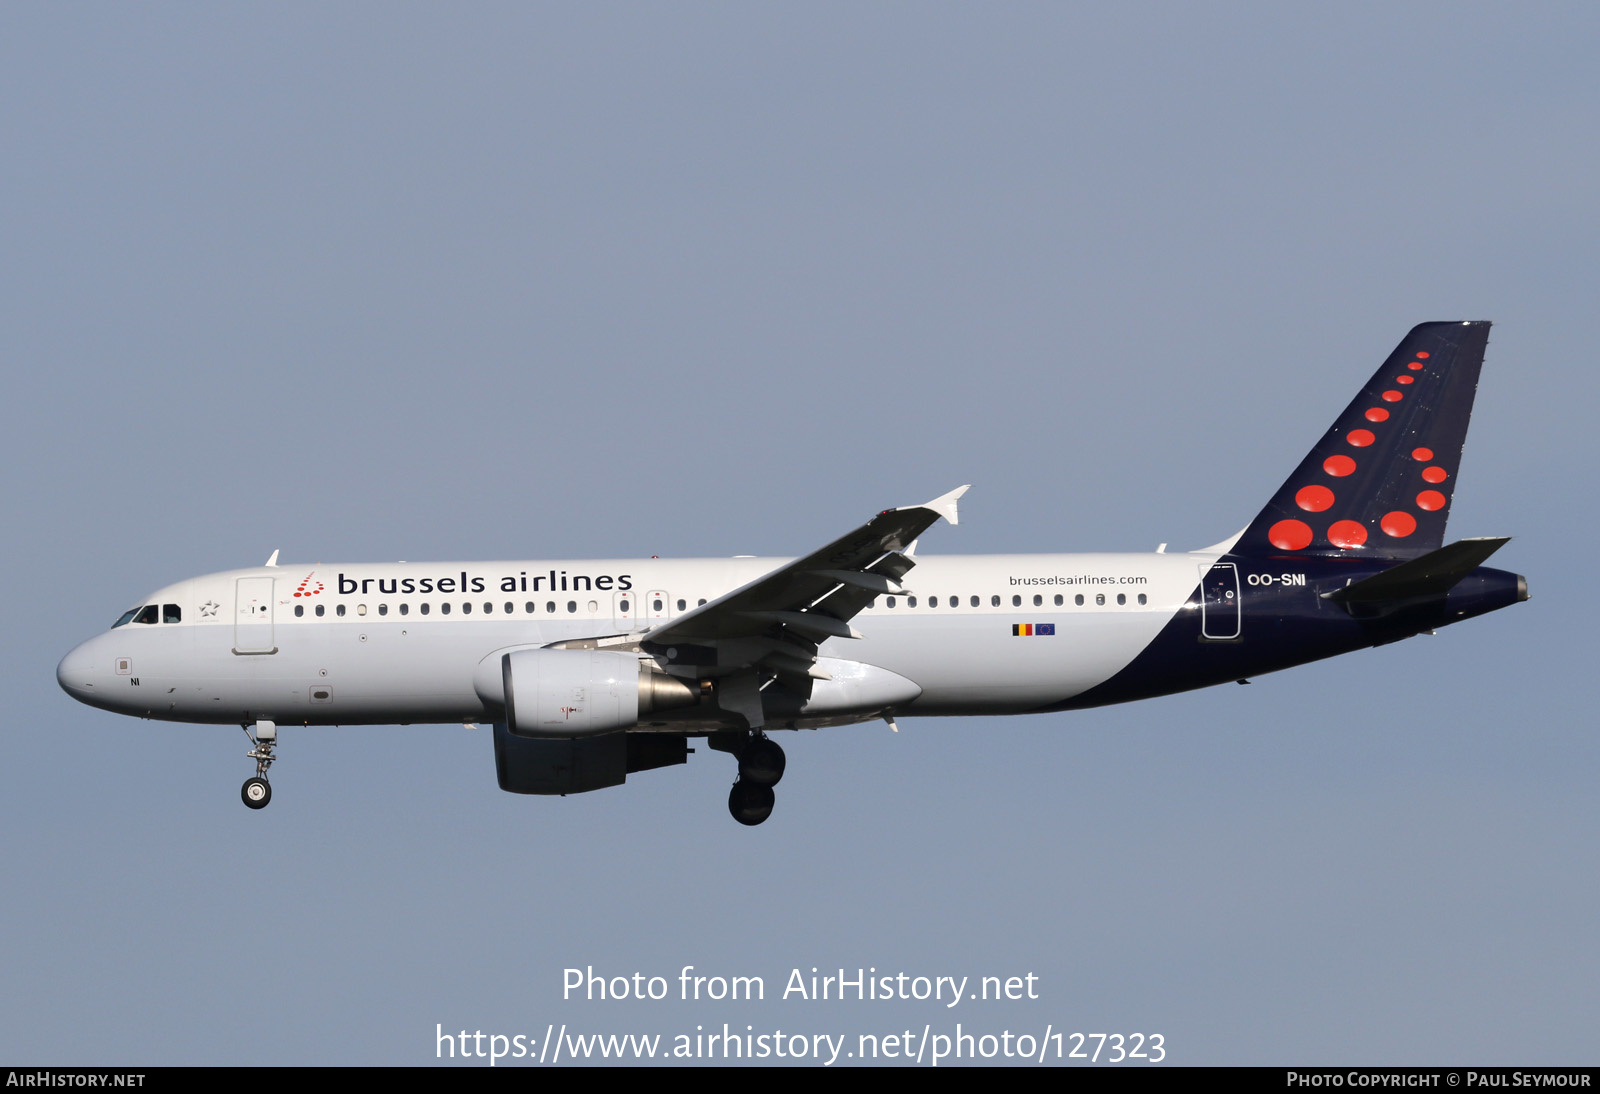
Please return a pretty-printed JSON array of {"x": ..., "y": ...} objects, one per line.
[{"x": 1434, "y": 574}]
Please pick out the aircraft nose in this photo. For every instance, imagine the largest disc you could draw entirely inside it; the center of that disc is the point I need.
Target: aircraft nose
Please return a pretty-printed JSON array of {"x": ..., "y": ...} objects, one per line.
[{"x": 76, "y": 673}]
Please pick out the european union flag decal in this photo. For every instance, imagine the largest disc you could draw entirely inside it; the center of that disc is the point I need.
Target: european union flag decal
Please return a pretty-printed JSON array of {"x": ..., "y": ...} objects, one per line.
[{"x": 1044, "y": 628}]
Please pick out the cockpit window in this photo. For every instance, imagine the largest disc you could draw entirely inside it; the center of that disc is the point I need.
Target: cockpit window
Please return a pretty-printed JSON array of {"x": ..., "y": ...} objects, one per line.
[
  {"x": 148, "y": 614},
  {"x": 170, "y": 613},
  {"x": 125, "y": 618}
]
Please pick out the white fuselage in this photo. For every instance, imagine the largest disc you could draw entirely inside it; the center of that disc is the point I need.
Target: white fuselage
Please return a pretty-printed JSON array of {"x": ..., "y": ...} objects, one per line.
[{"x": 401, "y": 642}]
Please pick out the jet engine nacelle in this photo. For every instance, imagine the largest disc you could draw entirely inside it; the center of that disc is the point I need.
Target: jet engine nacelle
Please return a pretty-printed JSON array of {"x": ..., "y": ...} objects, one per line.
[{"x": 568, "y": 694}]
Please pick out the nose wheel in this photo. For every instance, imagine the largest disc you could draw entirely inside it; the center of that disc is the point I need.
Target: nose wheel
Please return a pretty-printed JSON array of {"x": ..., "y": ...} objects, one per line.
[{"x": 257, "y": 792}]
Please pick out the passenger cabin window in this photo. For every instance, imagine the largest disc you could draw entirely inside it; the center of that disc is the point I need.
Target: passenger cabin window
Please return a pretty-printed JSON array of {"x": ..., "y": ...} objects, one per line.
[
  {"x": 530, "y": 607},
  {"x": 1016, "y": 601},
  {"x": 339, "y": 611},
  {"x": 299, "y": 610},
  {"x": 444, "y": 609},
  {"x": 405, "y": 609},
  {"x": 423, "y": 608},
  {"x": 994, "y": 601},
  {"x": 572, "y": 607},
  {"x": 466, "y": 609},
  {"x": 550, "y": 606},
  {"x": 383, "y": 609},
  {"x": 974, "y": 602},
  {"x": 1122, "y": 598},
  {"x": 1060, "y": 600},
  {"x": 1141, "y": 598},
  {"x": 1078, "y": 600},
  {"x": 171, "y": 614},
  {"x": 681, "y": 605},
  {"x": 1038, "y": 601},
  {"x": 1099, "y": 598},
  {"x": 320, "y": 609}
]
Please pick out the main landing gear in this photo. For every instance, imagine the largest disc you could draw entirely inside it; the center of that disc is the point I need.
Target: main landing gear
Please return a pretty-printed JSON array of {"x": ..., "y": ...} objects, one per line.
[
  {"x": 257, "y": 792},
  {"x": 761, "y": 764}
]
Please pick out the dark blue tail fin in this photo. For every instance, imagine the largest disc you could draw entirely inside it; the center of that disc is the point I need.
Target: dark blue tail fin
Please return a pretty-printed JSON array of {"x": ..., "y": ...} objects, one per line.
[{"x": 1379, "y": 483}]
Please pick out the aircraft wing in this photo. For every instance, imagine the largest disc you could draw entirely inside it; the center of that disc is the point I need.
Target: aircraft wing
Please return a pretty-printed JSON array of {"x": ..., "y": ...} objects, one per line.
[{"x": 774, "y": 624}]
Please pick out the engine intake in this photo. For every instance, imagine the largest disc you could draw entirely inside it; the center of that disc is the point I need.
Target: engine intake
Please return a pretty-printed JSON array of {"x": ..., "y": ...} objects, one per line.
[{"x": 556, "y": 694}]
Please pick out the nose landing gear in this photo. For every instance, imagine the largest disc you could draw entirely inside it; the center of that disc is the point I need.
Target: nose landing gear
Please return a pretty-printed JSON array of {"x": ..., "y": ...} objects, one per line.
[
  {"x": 761, "y": 765},
  {"x": 257, "y": 792}
]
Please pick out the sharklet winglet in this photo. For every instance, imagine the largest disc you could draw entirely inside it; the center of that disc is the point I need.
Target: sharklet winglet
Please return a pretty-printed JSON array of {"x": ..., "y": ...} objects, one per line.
[{"x": 945, "y": 504}]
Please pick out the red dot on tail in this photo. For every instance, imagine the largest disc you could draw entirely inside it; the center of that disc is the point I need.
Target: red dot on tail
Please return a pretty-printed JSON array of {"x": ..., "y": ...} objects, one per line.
[
  {"x": 1377, "y": 414},
  {"x": 1360, "y": 437},
  {"x": 1290, "y": 535},
  {"x": 1347, "y": 533},
  {"x": 1314, "y": 499},
  {"x": 1434, "y": 474},
  {"x": 1422, "y": 453},
  {"x": 1430, "y": 500},
  {"x": 1423, "y": 356},
  {"x": 1414, "y": 365},
  {"x": 1405, "y": 379},
  {"x": 1398, "y": 524},
  {"x": 1339, "y": 466},
  {"x": 1392, "y": 396}
]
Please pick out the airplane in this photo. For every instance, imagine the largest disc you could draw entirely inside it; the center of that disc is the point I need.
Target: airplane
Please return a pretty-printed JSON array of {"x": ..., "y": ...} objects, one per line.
[{"x": 591, "y": 671}]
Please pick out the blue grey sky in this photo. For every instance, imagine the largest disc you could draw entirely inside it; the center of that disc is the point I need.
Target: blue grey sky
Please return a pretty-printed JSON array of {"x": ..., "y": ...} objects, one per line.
[{"x": 373, "y": 281}]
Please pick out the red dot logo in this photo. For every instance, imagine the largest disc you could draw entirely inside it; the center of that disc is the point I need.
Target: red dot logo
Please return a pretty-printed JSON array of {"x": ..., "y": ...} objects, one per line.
[
  {"x": 1377, "y": 414},
  {"x": 1434, "y": 474},
  {"x": 1339, "y": 466},
  {"x": 1398, "y": 524},
  {"x": 1360, "y": 437},
  {"x": 1392, "y": 396},
  {"x": 1347, "y": 534},
  {"x": 1314, "y": 499},
  {"x": 1405, "y": 379},
  {"x": 1423, "y": 356},
  {"x": 1422, "y": 453},
  {"x": 1414, "y": 365},
  {"x": 1430, "y": 500},
  {"x": 1290, "y": 535}
]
